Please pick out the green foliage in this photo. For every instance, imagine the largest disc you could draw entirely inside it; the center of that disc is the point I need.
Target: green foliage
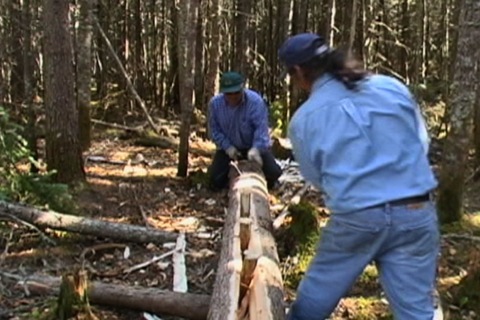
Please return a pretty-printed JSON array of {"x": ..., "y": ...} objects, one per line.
[
  {"x": 305, "y": 231},
  {"x": 21, "y": 185},
  {"x": 277, "y": 118}
]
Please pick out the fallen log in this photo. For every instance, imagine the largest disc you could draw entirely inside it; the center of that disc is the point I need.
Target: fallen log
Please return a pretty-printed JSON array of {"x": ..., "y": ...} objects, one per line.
[
  {"x": 88, "y": 226},
  {"x": 186, "y": 305},
  {"x": 280, "y": 219},
  {"x": 248, "y": 283},
  {"x": 169, "y": 143}
]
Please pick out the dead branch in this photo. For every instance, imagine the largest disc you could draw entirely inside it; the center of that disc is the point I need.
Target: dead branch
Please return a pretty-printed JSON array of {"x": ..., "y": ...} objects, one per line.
[
  {"x": 461, "y": 237},
  {"x": 149, "y": 262},
  {"x": 127, "y": 78},
  {"x": 137, "y": 130},
  {"x": 31, "y": 226}
]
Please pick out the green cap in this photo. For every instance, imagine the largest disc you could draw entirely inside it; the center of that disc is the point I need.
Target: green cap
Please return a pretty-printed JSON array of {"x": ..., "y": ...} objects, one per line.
[{"x": 231, "y": 82}]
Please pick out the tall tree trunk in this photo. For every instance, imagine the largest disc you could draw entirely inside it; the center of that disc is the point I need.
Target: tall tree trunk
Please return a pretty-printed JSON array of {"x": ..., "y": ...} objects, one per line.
[
  {"x": 28, "y": 81},
  {"x": 476, "y": 119},
  {"x": 199, "y": 46},
  {"x": 242, "y": 17},
  {"x": 63, "y": 152},
  {"x": 404, "y": 34},
  {"x": 186, "y": 54},
  {"x": 330, "y": 22},
  {"x": 172, "y": 90},
  {"x": 3, "y": 53},
  {"x": 84, "y": 70},
  {"x": 353, "y": 25},
  {"x": 212, "y": 74},
  {"x": 425, "y": 28},
  {"x": 455, "y": 156},
  {"x": 16, "y": 78}
]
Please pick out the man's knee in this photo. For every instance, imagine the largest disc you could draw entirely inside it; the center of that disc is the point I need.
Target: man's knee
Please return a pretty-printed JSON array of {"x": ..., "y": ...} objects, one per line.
[{"x": 271, "y": 168}]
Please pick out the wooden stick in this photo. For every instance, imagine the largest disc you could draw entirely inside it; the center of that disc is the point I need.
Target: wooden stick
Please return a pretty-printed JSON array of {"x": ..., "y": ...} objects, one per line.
[
  {"x": 179, "y": 268},
  {"x": 149, "y": 262}
]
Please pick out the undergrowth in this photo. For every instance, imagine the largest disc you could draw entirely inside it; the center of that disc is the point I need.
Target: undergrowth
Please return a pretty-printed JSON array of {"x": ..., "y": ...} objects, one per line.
[{"x": 17, "y": 182}]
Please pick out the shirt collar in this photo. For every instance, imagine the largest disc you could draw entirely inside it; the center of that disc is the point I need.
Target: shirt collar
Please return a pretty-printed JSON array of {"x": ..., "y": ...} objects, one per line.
[
  {"x": 242, "y": 102},
  {"x": 322, "y": 81}
]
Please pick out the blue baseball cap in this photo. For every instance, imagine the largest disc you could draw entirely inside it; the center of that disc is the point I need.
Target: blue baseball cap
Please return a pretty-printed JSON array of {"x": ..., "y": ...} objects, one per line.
[{"x": 301, "y": 48}]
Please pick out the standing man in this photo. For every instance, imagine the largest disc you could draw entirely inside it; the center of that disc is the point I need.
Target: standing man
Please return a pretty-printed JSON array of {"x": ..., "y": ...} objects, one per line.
[
  {"x": 362, "y": 140},
  {"x": 238, "y": 120}
]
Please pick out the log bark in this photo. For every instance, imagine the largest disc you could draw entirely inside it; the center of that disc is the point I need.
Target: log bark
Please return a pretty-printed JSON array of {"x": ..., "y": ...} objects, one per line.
[
  {"x": 254, "y": 288},
  {"x": 185, "y": 305},
  {"x": 99, "y": 228},
  {"x": 226, "y": 290}
]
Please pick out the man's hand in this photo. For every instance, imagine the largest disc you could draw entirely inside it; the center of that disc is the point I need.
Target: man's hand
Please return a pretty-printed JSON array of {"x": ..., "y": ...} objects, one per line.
[
  {"x": 233, "y": 153},
  {"x": 254, "y": 155}
]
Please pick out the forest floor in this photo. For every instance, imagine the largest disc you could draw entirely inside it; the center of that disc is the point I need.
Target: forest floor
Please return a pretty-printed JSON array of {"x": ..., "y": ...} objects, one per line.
[{"x": 121, "y": 192}]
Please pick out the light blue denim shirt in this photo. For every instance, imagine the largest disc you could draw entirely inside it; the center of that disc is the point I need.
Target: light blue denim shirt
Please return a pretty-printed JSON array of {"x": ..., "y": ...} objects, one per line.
[{"x": 362, "y": 147}]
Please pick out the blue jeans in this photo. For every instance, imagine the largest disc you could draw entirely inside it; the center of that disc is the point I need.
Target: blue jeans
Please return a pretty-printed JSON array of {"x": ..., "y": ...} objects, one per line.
[{"x": 403, "y": 241}]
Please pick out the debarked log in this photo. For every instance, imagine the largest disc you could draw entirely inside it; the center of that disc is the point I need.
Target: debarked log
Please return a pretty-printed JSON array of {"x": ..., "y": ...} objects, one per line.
[
  {"x": 186, "y": 305},
  {"x": 248, "y": 283},
  {"x": 95, "y": 227}
]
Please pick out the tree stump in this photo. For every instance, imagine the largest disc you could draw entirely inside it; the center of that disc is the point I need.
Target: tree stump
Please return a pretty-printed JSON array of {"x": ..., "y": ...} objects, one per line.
[
  {"x": 248, "y": 283},
  {"x": 73, "y": 298}
]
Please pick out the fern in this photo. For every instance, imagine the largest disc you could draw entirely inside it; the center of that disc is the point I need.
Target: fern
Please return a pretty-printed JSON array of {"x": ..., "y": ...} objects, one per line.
[{"x": 20, "y": 185}]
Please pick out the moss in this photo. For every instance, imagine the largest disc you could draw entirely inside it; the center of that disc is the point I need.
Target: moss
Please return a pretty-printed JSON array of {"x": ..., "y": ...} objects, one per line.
[
  {"x": 466, "y": 295},
  {"x": 198, "y": 177},
  {"x": 303, "y": 234},
  {"x": 367, "y": 308}
]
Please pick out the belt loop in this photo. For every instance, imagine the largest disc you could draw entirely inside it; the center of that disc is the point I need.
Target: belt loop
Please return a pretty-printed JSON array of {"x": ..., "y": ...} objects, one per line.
[{"x": 388, "y": 207}]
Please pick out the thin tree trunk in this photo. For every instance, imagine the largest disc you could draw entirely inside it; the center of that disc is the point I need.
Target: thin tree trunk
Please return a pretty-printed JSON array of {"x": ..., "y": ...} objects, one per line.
[
  {"x": 476, "y": 137},
  {"x": 199, "y": 65},
  {"x": 404, "y": 35},
  {"x": 455, "y": 156},
  {"x": 84, "y": 71},
  {"x": 353, "y": 25},
  {"x": 330, "y": 22},
  {"x": 241, "y": 39},
  {"x": 186, "y": 54},
  {"x": 28, "y": 82}
]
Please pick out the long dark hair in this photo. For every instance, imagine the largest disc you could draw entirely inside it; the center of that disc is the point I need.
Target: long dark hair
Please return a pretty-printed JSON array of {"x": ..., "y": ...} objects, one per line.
[{"x": 338, "y": 63}]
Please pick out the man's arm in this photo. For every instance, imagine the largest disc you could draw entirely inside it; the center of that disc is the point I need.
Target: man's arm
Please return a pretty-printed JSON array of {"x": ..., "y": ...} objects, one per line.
[
  {"x": 422, "y": 129},
  {"x": 216, "y": 133},
  {"x": 261, "y": 137}
]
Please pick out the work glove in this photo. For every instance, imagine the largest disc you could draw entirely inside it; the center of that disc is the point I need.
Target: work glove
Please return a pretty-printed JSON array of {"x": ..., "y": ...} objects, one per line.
[
  {"x": 254, "y": 155},
  {"x": 233, "y": 153}
]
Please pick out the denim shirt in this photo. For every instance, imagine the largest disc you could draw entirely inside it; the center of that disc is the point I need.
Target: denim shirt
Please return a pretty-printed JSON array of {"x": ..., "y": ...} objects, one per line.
[
  {"x": 362, "y": 147},
  {"x": 243, "y": 126}
]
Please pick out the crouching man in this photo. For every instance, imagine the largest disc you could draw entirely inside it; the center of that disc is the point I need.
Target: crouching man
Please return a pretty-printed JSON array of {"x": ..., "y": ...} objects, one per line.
[{"x": 238, "y": 120}]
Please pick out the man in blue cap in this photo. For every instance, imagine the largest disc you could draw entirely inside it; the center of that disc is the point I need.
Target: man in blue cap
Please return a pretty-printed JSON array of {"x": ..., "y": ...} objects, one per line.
[
  {"x": 238, "y": 120},
  {"x": 361, "y": 139}
]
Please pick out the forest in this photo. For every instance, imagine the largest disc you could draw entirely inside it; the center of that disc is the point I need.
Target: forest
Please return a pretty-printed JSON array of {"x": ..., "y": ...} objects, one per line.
[{"x": 104, "y": 148}]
